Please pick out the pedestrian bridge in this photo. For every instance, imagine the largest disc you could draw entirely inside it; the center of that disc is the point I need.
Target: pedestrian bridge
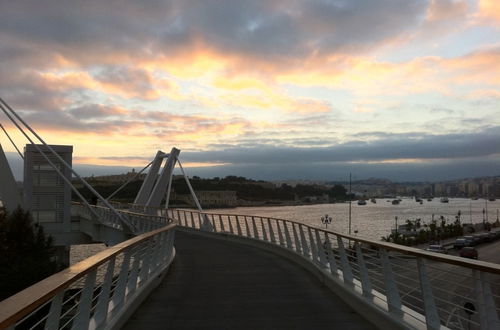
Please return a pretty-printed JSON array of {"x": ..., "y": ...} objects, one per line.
[{"x": 254, "y": 272}]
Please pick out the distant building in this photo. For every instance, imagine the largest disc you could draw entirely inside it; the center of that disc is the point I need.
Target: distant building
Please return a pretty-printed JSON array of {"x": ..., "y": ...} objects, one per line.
[{"x": 47, "y": 196}]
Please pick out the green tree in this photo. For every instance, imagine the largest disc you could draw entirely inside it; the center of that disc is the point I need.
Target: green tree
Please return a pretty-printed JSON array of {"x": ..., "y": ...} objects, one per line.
[{"x": 26, "y": 254}]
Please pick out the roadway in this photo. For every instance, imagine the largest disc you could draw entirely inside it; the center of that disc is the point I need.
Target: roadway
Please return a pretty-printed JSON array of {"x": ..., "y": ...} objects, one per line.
[{"x": 214, "y": 284}]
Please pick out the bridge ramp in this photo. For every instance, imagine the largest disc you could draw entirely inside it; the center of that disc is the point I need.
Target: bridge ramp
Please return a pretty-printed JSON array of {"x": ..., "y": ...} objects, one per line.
[{"x": 214, "y": 284}]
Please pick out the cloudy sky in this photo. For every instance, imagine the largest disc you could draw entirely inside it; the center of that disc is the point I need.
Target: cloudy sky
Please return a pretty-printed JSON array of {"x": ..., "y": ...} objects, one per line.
[{"x": 402, "y": 89}]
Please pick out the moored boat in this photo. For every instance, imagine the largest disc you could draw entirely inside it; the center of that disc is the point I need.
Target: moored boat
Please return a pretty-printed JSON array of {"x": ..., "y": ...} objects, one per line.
[{"x": 444, "y": 200}]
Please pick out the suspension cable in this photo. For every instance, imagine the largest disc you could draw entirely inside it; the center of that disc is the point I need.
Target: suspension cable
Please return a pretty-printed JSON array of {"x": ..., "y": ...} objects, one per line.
[
  {"x": 51, "y": 163},
  {"x": 85, "y": 183},
  {"x": 11, "y": 141}
]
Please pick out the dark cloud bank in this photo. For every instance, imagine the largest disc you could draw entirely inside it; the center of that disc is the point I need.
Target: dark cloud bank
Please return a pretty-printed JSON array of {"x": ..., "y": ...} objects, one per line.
[{"x": 440, "y": 157}]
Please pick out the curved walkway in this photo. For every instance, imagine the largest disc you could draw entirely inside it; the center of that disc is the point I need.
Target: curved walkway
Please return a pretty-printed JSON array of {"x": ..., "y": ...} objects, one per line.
[{"x": 214, "y": 284}]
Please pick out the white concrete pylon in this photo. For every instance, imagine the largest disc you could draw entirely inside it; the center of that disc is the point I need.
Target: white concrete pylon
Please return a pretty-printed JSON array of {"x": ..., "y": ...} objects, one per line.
[
  {"x": 9, "y": 192},
  {"x": 160, "y": 187},
  {"x": 145, "y": 191}
]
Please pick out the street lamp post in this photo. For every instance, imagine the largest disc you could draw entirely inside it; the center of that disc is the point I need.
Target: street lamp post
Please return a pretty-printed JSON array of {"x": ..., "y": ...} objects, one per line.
[{"x": 326, "y": 220}]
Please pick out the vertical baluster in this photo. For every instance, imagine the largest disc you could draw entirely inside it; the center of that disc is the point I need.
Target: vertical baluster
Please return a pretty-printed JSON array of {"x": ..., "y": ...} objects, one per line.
[
  {"x": 298, "y": 248},
  {"x": 491, "y": 313},
  {"x": 119, "y": 293},
  {"x": 170, "y": 243},
  {"x": 213, "y": 222},
  {"x": 161, "y": 240},
  {"x": 271, "y": 231},
  {"x": 363, "y": 270},
  {"x": 101, "y": 310},
  {"x": 238, "y": 226},
  {"x": 132, "y": 279},
  {"x": 305, "y": 247},
  {"x": 287, "y": 235},
  {"x": 431, "y": 314},
  {"x": 320, "y": 248},
  {"x": 488, "y": 316},
  {"x": 82, "y": 317},
  {"x": 280, "y": 233},
  {"x": 247, "y": 227},
  {"x": 230, "y": 223},
  {"x": 330, "y": 255},
  {"x": 264, "y": 232},
  {"x": 312, "y": 243},
  {"x": 54, "y": 313},
  {"x": 192, "y": 220},
  {"x": 391, "y": 288},
  {"x": 146, "y": 260},
  {"x": 200, "y": 220},
  {"x": 344, "y": 261},
  {"x": 221, "y": 223},
  {"x": 255, "y": 231}
]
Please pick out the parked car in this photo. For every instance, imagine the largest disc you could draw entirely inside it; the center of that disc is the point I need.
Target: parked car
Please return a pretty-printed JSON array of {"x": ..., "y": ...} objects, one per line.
[
  {"x": 460, "y": 243},
  {"x": 471, "y": 240},
  {"x": 469, "y": 252},
  {"x": 436, "y": 248}
]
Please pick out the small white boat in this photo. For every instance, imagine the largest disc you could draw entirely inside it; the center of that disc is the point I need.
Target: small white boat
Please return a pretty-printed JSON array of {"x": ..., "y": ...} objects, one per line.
[
  {"x": 361, "y": 202},
  {"x": 444, "y": 200}
]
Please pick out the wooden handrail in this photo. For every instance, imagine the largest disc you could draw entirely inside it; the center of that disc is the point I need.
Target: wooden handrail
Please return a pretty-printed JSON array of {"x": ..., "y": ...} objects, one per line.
[{"x": 21, "y": 304}]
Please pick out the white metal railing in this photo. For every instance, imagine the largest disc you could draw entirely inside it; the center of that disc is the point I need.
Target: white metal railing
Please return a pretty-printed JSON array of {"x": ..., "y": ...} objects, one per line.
[
  {"x": 96, "y": 292},
  {"x": 140, "y": 222},
  {"x": 422, "y": 289}
]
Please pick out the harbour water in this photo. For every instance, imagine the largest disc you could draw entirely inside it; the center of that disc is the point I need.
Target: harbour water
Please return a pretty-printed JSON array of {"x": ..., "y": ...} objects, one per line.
[
  {"x": 375, "y": 220},
  {"x": 372, "y": 220}
]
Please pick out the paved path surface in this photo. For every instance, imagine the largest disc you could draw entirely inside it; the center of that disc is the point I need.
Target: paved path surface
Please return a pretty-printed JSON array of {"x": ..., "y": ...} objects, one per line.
[{"x": 214, "y": 284}]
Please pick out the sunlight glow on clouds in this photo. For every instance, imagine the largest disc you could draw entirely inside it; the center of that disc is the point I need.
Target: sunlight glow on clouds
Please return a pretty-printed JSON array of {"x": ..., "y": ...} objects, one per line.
[{"x": 208, "y": 76}]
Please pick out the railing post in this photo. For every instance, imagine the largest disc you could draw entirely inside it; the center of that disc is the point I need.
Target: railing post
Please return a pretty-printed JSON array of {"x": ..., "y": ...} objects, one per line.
[
  {"x": 146, "y": 260},
  {"x": 320, "y": 248},
  {"x": 54, "y": 312},
  {"x": 287, "y": 236},
  {"x": 488, "y": 316},
  {"x": 192, "y": 220},
  {"x": 264, "y": 232},
  {"x": 247, "y": 227},
  {"x": 363, "y": 271},
  {"x": 132, "y": 279},
  {"x": 101, "y": 309},
  {"x": 344, "y": 261},
  {"x": 221, "y": 223},
  {"x": 392, "y": 293},
  {"x": 280, "y": 233},
  {"x": 305, "y": 247},
  {"x": 271, "y": 231},
  {"x": 314, "y": 249},
  {"x": 231, "y": 228},
  {"x": 82, "y": 317},
  {"x": 255, "y": 231},
  {"x": 238, "y": 226},
  {"x": 431, "y": 315},
  {"x": 330, "y": 256},
  {"x": 119, "y": 294},
  {"x": 298, "y": 247}
]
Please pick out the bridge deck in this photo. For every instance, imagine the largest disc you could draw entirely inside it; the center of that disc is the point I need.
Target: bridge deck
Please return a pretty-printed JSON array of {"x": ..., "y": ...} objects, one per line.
[{"x": 214, "y": 284}]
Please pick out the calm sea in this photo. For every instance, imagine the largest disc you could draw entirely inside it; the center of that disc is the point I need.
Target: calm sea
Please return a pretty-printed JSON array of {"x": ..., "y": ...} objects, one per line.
[{"x": 373, "y": 220}]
